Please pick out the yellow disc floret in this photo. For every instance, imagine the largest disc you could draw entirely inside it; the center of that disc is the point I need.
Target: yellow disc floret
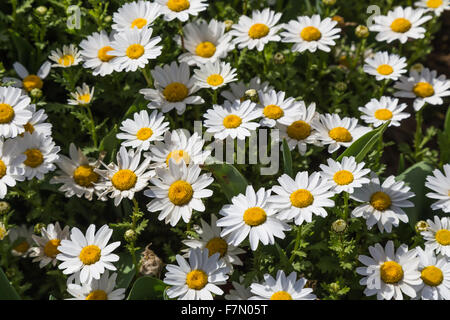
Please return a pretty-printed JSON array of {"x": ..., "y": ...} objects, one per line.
[
  {"x": 175, "y": 92},
  {"x": 343, "y": 177},
  {"x": 124, "y": 179},
  {"x": 232, "y": 121},
  {"x": 22, "y": 247},
  {"x": 144, "y": 133},
  {"x": 31, "y": 82},
  {"x": 215, "y": 80},
  {"x": 299, "y": 130},
  {"x": 205, "y": 49},
  {"x": 85, "y": 176},
  {"x": 34, "y": 158},
  {"x": 2, "y": 169},
  {"x": 383, "y": 114},
  {"x": 180, "y": 193},
  {"x": 103, "y": 55},
  {"x": 51, "y": 248},
  {"x": 255, "y": 216},
  {"x": 380, "y": 201},
  {"x": 139, "y": 22},
  {"x": 423, "y": 89},
  {"x": 90, "y": 254},
  {"x": 84, "y": 98},
  {"x": 301, "y": 198},
  {"x": 178, "y": 155},
  {"x": 443, "y": 237},
  {"x": 97, "y": 295},
  {"x": 273, "y": 111},
  {"x": 281, "y": 295},
  {"x": 258, "y": 31},
  {"x": 28, "y": 127},
  {"x": 391, "y": 272},
  {"x": 66, "y": 60},
  {"x": 178, "y": 5},
  {"x": 340, "y": 134},
  {"x": 196, "y": 279},
  {"x": 6, "y": 113},
  {"x": 434, "y": 4},
  {"x": 400, "y": 25},
  {"x": 310, "y": 34},
  {"x": 215, "y": 245},
  {"x": 135, "y": 51},
  {"x": 432, "y": 276},
  {"x": 385, "y": 69}
]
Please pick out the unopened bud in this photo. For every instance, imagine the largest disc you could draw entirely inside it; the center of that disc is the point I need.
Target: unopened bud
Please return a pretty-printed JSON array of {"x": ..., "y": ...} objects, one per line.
[
  {"x": 38, "y": 227},
  {"x": 36, "y": 93},
  {"x": 150, "y": 263},
  {"x": 108, "y": 19},
  {"x": 334, "y": 287},
  {"x": 362, "y": 31},
  {"x": 278, "y": 58},
  {"x": 417, "y": 67},
  {"x": 228, "y": 24},
  {"x": 251, "y": 94},
  {"x": 421, "y": 226},
  {"x": 340, "y": 86},
  {"x": 130, "y": 235},
  {"x": 4, "y": 207},
  {"x": 340, "y": 20},
  {"x": 41, "y": 10},
  {"x": 3, "y": 231},
  {"x": 339, "y": 225},
  {"x": 329, "y": 2}
]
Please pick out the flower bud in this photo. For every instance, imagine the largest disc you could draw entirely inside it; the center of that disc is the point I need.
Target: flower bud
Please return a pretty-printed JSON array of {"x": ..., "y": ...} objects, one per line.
[
  {"x": 38, "y": 227},
  {"x": 130, "y": 235},
  {"x": 339, "y": 226},
  {"x": 362, "y": 31},
  {"x": 334, "y": 287},
  {"x": 228, "y": 24},
  {"x": 340, "y": 20},
  {"x": 329, "y": 2},
  {"x": 150, "y": 263},
  {"x": 108, "y": 19},
  {"x": 41, "y": 10},
  {"x": 4, "y": 207},
  {"x": 251, "y": 94},
  {"x": 278, "y": 58},
  {"x": 421, "y": 226},
  {"x": 340, "y": 86},
  {"x": 3, "y": 231},
  {"x": 36, "y": 93}
]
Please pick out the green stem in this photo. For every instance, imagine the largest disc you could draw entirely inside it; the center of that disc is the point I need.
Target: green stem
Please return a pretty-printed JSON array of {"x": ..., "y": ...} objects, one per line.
[
  {"x": 180, "y": 31},
  {"x": 148, "y": 77},
  {"x": 132, "y": 243},
  {"x": 418, "y": 136},
  {"x": 94, "y": 133},
  {"x": 346, "y": 197},
  {"x": 214, "y": 97},
  {"x": 297, "y": 243},
  {"x": 383, "y": 87},
  {"x": 244, "y": 7}
]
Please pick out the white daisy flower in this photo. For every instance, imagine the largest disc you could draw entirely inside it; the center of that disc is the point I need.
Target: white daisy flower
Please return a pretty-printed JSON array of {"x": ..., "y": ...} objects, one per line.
[
  {"x": 29, "y": 81},
  {"x": 210, "y": 239},
  {"x": 311, "y": 33},
  {"x": 177, "y": 191},
  {"x": 383, "y": 203},
  {"x": 196, "y": 279},
  {"x": 251, "y": 215},
  {"x": 299, "y": 199},
  {"x": 282, "y": 288},
  {"x": 21, "y": 239},
  {"x": 400, "y": 24},
  {"x": 385, "y": 66},
  {"x": 173, "y": 88},
  {"x": 136, "y": 14},
  {"x": 124, "y": 179},
  {"x": 134, "y": 48},
  {"x": 276, "y": 108},
  {"x": 14, "y": 111},
  {"x": 88, "y": 253},
  {"x": 377, "y": 112},
  {"x": 345, "y": 175},
  {"x": 440, "y": 184},
  {"x": 424, "y": 87},
  {"x": 437, "y": 236},
  {"x": 69, "y": 56},
  {"x": 36, "y": 123},
  {"x": 143, "y": 130},
  {"x": 233, "y": 119},
  {"x": 336, "y": 132},
  {"x": 47, "y": 248},
  {"x": 390, "y": 274},
  {"x": 214, "y": 75},
  {"x": 239, "y": 291},
  {"x": 436, "y": 6},
  {"x": 96, "y": 53},
  {"x": 181, "y": 9},
  {"x": 238, "y": 89},
  {"x": 101, "y": 289},
  {"x": 205, "y": 42},
  {"x": 77, "y": 174},
  {"x": 10, "y": 166},
  {"x": 435, "y": 274},
  {"x": 82, "y": 96}
]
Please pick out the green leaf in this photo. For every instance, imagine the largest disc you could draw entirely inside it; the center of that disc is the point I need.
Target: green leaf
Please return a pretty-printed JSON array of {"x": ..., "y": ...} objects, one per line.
[
  {"x": 284, "y": 260},
  {"x": 125, "y": 270},
  {"x": 109, "y": 143},
  {"x": 287, "y": 159},
  {"x": 147, "y": 288},
  {"x": 229, "y": 178},
  {"x": 7, "y": 292}
]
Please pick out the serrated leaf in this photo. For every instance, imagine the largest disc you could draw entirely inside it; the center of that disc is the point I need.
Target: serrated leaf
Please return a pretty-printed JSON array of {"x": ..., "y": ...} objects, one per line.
[
  {"x": 287, "y": 159},
  {"x": 7, "y": 291},
  {"x": 229, "y": 178},
  {"x": 147, "y": 288}
]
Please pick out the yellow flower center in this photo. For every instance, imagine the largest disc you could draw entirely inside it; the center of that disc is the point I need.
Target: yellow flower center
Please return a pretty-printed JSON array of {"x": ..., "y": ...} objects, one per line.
[
  {"x": 380, "y": 201},
  {"x": 273, "y": 112},
  {"x": 196, "y": 279},
  {"x": 281, "y": 295},
  {"x": 215, "y": 245},
  {"x": 215, "y": 80},
  {"x": 135, "y": 51},
  {"x": 175, "y": 92},
  {"x": 383, "y": 114},
  {"x": 310, "y": 34},
  {"x": 401, "y": 25},
  {"x": 432, "y": 276},
  {"x": 178, "y": 5},
  {"x": 232, "y": 121},
  {"x": 85, "y": 98},
  {"x": 301, "y": 198},
  {"x": 205, "y": 49},
  {"x": 34, "y": 158},
  {"x": 258, "y": 30},
  {"x": 124, "y": 179},
  {"x": 180, "y": 193},
  {"x": 443, "y": 237},
  {"x": 22, "y": 247},
  {"x": 66, "y": 60},
  {"x": 28, "y": 128},
  {"x": 32, "y": 81},
  {"x": 340, "y": 134},
  {"x": 178, "y": 155},
  {"x": 103, "y": 54},
  {"x": 434, "y": 4},
  {"x": 423, "y": 89},
  {"x": 2, "y": 232},
  {"x": 6, "y": 113},
  {"x": 385, "y": 69},
  {"x": 144, "y": 133},
  {"x": 85, "y": 176},
  {"x": 343, "y": 177},
  {"x": 139, "y": 22},
  {"x": 299, "y": 130},
  {"x": 51, "y": 248},
  {"x": 255, "y": 216},
  {"x": 97, "y": 295},
  {"x": 90, "y": 254},
  {"x": 2, "y": 169},
  {"x": 391, "y": 272}
]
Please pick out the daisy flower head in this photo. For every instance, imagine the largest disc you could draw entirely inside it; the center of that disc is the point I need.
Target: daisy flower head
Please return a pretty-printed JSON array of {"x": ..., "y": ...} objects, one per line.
[
  {"x": 181, "y": 9},
  {"x": 29, "y": 81},
  {"x": 302, "y": 197},
  {"x": 214, "y": 75},
  {"x": 383, "y": 203},
  {"x": 377, "y": 112},
  {"x": 48, "y": 243},
  {"x": 10, "y": 166},
  {"x": 101, "y": 289},
  {"x": 345, "y": 175},
  {"x": 239, "y": 89},
  {"x": 276, "y": 108},
  {"x": 134, "y": 48},
  {"x": 436, "y": 6},
  {"x": 136, "y": 14},
  {"x": 205, "y": 42},
  {"x": 90, "y": 254},
  {"x": 424, "y": 87},
  {"x": 336, "y": 132},
  {"x": 385, "y": 66},
  {"x": 389, "y": 273},
  {"x": 177, "y": 190},
  {"x": 437, "y": 237},
  {"x": 251, "y": 215},
  {"x": 440, "y": 184},
  {"x": 83, "y": 96},
  {"x": 233, "y": 119},
  {"x": 14, "y": 111},
  {"x": 143, "y": 130},
  {"x": 77, "y": 174},
  {"x": 282, "y": 288},
  {"x": 210, "y": 239},
  {"x": 435, "y": 274},
  {"x": 400, "y": 24},
  {"x": 37, "y": 122},
  {"x": 239, "y": 291},
  {"x": 21, "y": 239},
  {"x": 69, "y": 56},
  {"x": 124, "y": 179},
  {"x": 96, "y": 53},
  {"x": 174, "y": 88},
  {"x": 311, "y": 33},
  {"x": 198, "y": 278},
  {"x": 257, "y": 31}
]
